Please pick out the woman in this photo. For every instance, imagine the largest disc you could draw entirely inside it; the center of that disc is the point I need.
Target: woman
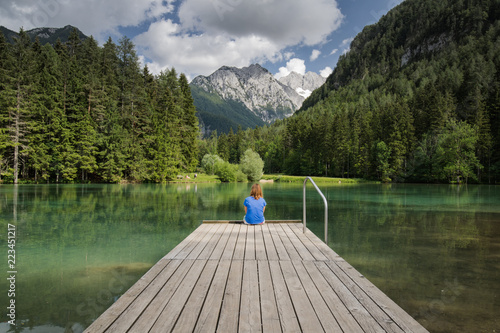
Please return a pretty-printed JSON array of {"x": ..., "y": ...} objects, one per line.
[{"x": 255, "y": 205}]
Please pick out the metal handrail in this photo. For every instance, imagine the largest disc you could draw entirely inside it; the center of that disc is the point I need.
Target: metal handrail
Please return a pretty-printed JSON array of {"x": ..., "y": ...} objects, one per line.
[{"x": 304, "y": 207}]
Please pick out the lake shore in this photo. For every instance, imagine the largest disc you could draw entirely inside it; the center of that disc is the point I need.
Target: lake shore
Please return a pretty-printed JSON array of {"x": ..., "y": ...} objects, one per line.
[{"x": 204, "y": 178}]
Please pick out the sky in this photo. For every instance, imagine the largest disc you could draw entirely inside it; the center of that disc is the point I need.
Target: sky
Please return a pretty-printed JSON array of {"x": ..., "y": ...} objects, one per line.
[{"x": 197, "y": 37}]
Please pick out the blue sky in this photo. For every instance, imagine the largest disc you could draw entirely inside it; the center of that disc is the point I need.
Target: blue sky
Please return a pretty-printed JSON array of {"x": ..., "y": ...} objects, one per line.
[{"x": 199, "y": 36}]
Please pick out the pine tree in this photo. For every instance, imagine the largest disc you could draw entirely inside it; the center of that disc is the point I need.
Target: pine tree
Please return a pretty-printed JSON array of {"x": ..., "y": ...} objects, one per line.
[
  {"x": 5, "y": 89},
  {"x": 46, "y": 111},
  {"x": 82, "y": 136},
  {"x": 165, "y": 151},
  {"x": 189, "y": 126},
  {"x": 112, "y": 157},
  {"x": 18, "y": 97}
]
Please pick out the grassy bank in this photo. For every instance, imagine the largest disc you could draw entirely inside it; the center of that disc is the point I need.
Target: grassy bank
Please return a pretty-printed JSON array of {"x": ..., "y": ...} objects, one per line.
[
  {"x": 317, "y": 180},
  {"x": 200, "y": 178},
  {"x": 204, "y": 178}
]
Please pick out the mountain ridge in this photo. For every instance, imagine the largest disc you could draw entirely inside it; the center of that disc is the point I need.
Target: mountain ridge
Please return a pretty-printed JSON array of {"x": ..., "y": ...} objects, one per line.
[
  {"x": 257, "y": 92},
  {"x": 44, "y": 34}
]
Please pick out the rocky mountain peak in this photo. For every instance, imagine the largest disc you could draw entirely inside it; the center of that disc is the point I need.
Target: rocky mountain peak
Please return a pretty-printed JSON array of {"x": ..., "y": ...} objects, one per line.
[
  {"x": 304, "y": 85},
  {"x": 249, "y": 96},
  {"x": 255, "y": 87}
]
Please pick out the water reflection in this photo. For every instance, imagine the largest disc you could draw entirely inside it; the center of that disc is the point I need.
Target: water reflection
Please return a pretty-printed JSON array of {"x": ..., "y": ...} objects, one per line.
[{"x": 434, "y": 250}]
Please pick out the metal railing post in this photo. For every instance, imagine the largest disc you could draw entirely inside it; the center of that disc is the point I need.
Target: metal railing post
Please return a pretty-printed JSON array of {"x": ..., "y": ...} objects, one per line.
[{"x": 304, "y": 207}]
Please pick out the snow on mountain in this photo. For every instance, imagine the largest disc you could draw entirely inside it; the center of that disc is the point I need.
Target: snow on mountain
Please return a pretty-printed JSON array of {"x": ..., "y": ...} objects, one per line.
[{"x": 260, "y": 92}]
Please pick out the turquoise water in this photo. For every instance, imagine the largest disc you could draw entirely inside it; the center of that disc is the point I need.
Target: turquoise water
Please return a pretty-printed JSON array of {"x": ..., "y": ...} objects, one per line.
[{"x": 434, "y": 249}]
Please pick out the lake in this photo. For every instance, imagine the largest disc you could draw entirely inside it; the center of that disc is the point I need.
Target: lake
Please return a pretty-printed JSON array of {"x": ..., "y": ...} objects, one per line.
[{"x": 434, "y": 249}]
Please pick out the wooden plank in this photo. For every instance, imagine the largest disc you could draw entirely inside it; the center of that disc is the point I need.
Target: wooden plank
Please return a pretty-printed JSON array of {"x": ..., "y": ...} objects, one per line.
[
  {"x": 198, "y": 235},
  {"x": 286, "y": 312},
  {"x": 188, "y": 241},
  {"x": 229, "y": 313},
  {"x": 172, "y": 310},
  {"x": 239, "y": 250},
  {"x": 153, "y": 310},
  {"x": 325, "y": 316},
  {"x": 231, "y": 243},
  {"x": 241, "y": 221},
  {"x": 313, "y": 249},
  {"x": 108, "y": 317},
  {"x": 280, "y": 248},
  {"x": 250, "y": 243},
  {"x": 260, "y": 249},
  {"x": 309, "y": 321},
  {"x": 136, "y": 308},
  {"x": 271, "y": 252},
  {"x": 269, "y": 308},
  {"x": 204, "y": 242},
  {"x": 221, "y": 245},
  {"x": 213, "y": 242},
  {"x": 290, "y": 249},
  {"x": 207, "y": 321},
  {"x": 325, "y": 249},
  {"x": 345, "y": 318},
  {"x": 297, "y": 243},
  {"x": 396, "y": 314},
  {"x": 189, "y": 316},
  {"x": 376, "y": 312},
  {"x": 250, "y": 319},
  {"x": 363, "y": 317}
]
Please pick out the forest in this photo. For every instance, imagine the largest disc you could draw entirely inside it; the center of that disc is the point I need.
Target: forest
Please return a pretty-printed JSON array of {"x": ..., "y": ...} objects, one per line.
[
  {"x": 417, "y": 99},
  {"x": 76, "y": 112}
]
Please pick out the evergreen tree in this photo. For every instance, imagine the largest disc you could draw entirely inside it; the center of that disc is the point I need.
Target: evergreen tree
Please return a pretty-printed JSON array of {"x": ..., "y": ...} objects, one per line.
[
  {"x": 189, "y": 126},
  {"x": 5, "y": 89},
  {"x": 47, "y": 111},
  {"x": 112, "y": 157},
  {"x": 18, "y": 95}
]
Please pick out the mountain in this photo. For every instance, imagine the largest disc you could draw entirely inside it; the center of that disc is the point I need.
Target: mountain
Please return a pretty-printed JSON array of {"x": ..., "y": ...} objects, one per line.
[
  {"x": 45, "y": 35},
  {"x": 402, "y": 41},
  {"x": 304, "y": 85},
  {"x": 248, "y": 97},
  {"x": 417, "y": 99}
]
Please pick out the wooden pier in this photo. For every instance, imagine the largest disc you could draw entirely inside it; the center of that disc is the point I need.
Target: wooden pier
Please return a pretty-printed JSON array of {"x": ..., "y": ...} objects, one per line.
[{"x": 231, "y": 277}]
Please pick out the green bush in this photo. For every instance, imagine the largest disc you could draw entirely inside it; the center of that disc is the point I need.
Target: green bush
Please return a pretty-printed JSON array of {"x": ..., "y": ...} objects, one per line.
[
  {"x": 208, "y": 163},
  {"x": 240, "y": 176},
  {"x": 226, "y": 171},
  {"x": 252, "y": 165}
]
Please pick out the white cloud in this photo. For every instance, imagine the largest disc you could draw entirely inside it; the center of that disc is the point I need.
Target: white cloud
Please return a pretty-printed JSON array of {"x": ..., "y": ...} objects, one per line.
[
  {"x": 326, "y": 72},
  {"x": 93, "y": 17},
  {"x": 281, "y": 22},
  {"x": 194, "y": 36},
  {"x": 195, "y": 54},
  {"x": 236, "y": 33},
  {"x": 334, "y": 51},
  {"x": 314, "y": 55},
  {"x": 294, "y": 65}
]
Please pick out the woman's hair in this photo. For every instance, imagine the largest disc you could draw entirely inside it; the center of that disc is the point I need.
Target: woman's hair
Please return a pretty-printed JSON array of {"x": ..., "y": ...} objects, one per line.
[{"x": 256, "y": 192}]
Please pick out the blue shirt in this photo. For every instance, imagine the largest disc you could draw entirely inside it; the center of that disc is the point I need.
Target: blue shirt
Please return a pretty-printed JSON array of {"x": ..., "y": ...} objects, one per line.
[{"x": 255, "y": 210}]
